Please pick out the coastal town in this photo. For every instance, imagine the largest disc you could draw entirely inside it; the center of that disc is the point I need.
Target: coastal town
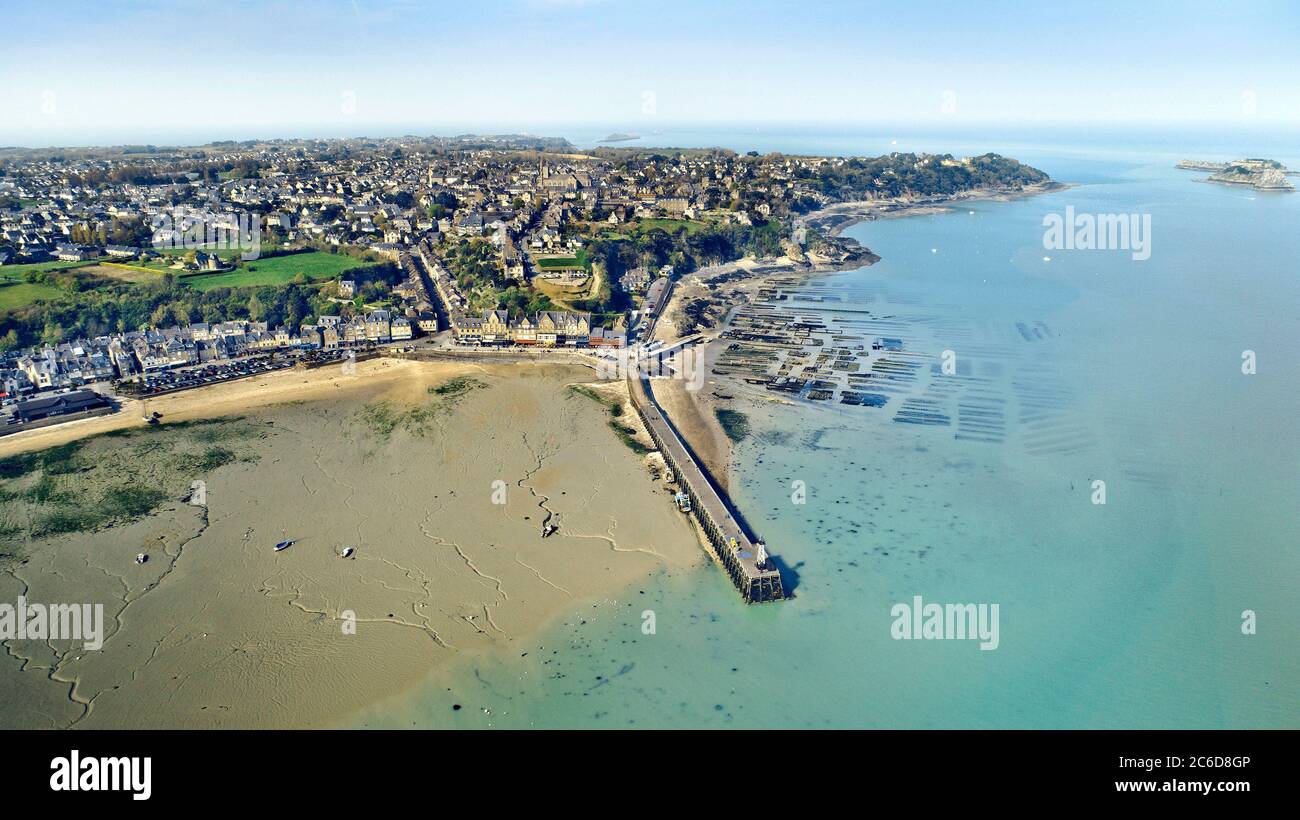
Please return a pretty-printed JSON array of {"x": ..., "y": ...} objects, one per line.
[
  {"x": 561, "y": 366},
  {"x": 117, "y": 265},
  {"x": 134, "y": 273}
]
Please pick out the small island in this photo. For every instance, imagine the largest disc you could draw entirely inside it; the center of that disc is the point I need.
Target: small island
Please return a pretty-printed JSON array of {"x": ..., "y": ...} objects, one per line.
[
  {"x": 1260, "y": 174},
  {"x": 619, "y": 136}
]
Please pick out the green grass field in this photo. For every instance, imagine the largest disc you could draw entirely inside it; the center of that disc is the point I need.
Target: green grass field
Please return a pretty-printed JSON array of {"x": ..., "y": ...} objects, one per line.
[
  {"x": 275, "y": 270},
  {"x": 578, "y": 261},
  {"x": 14, "y": 273},
  {"x": 14, "y": 295}
]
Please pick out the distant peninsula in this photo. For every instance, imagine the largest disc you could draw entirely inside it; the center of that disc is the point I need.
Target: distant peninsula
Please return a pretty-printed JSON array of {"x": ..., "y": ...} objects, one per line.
[{"x": 1260, "y": 174}]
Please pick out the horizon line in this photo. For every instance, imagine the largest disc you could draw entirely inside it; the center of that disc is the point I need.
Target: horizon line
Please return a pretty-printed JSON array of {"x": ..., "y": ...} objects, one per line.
[{"x": 286, "y": 132}]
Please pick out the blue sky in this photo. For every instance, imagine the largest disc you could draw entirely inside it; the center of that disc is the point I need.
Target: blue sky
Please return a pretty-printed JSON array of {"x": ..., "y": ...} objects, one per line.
[{"x": 133, "y": 70}]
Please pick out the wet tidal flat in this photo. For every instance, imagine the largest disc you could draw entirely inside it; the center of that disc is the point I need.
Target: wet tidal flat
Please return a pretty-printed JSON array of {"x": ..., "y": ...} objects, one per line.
[{"x": 412, "y": 509}]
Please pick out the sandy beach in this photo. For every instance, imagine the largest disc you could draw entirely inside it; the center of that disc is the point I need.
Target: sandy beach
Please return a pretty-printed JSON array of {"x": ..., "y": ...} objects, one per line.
[
  {"x": 224, "y": 399},
  {"x": 438, "y": 476}
]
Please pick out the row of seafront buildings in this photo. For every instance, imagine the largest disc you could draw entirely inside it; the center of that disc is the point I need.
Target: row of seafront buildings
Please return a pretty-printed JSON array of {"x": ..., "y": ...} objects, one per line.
[
  {"x": 547, "y": 328},
  {"x": 375, "y": 327},
  {"x": 130, "y": 355}
]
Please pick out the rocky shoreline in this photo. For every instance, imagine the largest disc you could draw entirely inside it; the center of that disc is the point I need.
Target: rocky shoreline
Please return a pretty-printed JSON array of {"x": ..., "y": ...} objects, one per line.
[
  {"x": 833, "y": 219},
  {"x": 1260, "y": 174}
]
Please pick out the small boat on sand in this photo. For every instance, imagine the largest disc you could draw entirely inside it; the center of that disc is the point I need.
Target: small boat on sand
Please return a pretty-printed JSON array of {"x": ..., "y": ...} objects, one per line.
[
  {"x": 141, "y": 558},
  {"x": 283, "y": 545},
  {"x": 347, "y": 552}
]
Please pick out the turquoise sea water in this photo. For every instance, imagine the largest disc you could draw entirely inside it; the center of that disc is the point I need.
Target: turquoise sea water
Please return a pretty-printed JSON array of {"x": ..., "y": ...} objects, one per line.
[{"x": 1126, "y": 614}]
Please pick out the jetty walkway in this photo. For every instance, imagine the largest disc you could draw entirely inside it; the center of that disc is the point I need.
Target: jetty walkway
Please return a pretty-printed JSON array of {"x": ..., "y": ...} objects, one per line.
[{"x": 744, "y": 557}]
